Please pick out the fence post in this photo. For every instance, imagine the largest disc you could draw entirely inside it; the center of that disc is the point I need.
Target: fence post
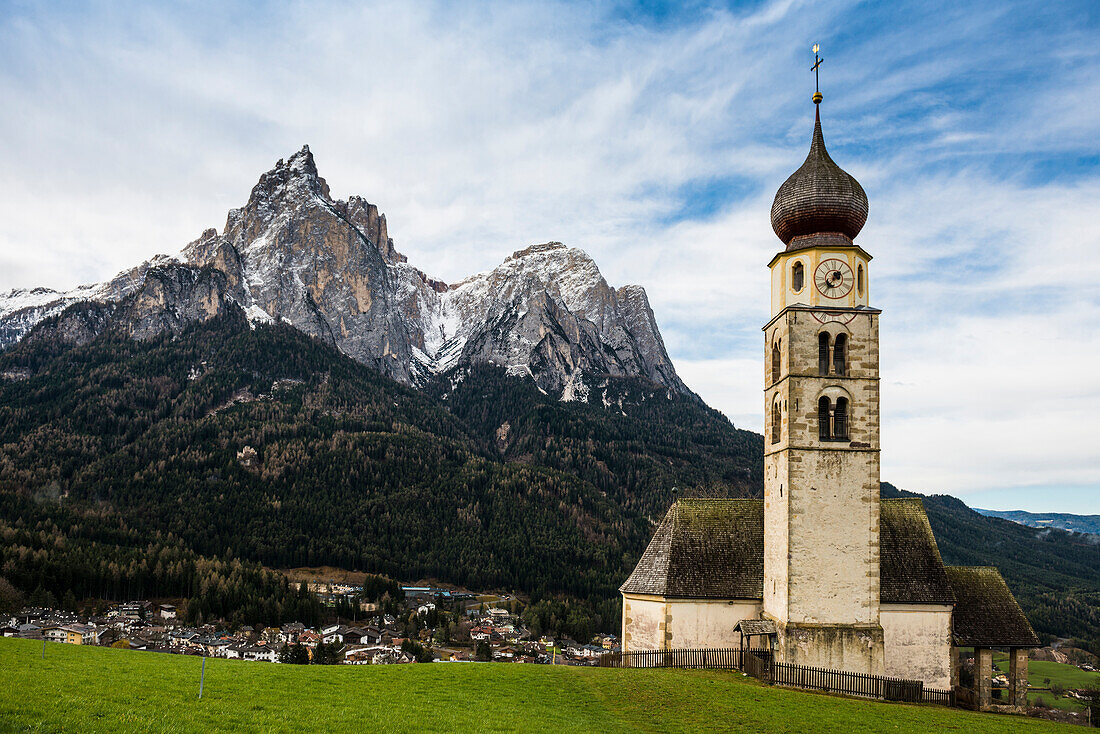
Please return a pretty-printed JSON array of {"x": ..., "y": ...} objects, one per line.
[{"x": 202, "y": 676}]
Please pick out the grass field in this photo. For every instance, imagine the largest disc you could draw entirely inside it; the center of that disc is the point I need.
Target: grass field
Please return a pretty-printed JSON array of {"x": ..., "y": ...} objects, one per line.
[
  {"x": 1068, "y": 676},
  {"x": 86, "y": 689}
]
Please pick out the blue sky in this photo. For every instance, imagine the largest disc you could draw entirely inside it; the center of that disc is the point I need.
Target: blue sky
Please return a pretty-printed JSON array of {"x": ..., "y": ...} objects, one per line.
[{"x": 651, "y": 135}]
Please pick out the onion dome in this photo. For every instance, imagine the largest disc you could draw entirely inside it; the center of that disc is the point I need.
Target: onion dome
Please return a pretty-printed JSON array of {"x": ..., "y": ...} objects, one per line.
[{"x": 820, "y": 203}]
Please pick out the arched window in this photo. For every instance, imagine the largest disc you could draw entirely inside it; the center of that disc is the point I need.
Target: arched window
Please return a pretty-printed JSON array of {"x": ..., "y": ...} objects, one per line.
[
  {"x": 840, "y": 419},
  {"x": 797, "y": 276},
  {"x": 777, "y": 420},
  {"x": 823, "y": 353},
  {"x": 777, "y": 361},
  {"x": 859, "y": 279},
  {"x": 823, "y": 411},
  {"x": 840, "y": 354}
]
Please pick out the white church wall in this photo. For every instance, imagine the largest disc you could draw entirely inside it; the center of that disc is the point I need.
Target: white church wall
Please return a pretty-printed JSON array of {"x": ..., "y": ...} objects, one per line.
[
  {"x": 918, "y": 642},
  {"x": 643, "y": 622},
  {"x": 708, "y": 622}
]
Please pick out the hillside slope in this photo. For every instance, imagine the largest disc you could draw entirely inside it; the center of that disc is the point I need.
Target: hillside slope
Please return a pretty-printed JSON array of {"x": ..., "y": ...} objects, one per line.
[
  {"x": 259, "y": 441},
  {"x": 103, "y": 690}
]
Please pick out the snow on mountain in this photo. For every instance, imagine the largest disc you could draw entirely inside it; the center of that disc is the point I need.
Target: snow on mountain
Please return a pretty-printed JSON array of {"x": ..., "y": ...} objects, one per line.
[
  {"x": 22, "y": 309},
  {"x": 329, "y": 268}
]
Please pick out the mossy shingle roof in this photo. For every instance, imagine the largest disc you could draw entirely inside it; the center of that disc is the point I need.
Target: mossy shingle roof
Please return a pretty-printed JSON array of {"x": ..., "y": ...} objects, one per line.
[
  {"x": 714, "y": 549},
  {"x": 704, "y": 548},
  {"x": 986, "y": 612},
  {"x": 910, "y": 567}
]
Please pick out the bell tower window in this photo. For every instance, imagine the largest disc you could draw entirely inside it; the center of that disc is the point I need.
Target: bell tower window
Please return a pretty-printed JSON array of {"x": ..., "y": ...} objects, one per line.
[
  {"x": 777, "y": 361},
  {"x": 798, "y": 276},
  {"x": 777, "y": 420},
  {"x": 840, "y": 419},
  {"x": 832, "y": 420},
  {"x": 840, "y": 354},
  {"x": 859, "y": 279},
  {"x": 824, "y": 408},
  {"x": 823, "y": 353}
]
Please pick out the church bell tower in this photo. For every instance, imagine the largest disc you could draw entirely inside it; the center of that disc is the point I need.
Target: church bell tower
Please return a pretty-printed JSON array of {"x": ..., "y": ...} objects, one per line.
[{"x": 821, "y": 402}]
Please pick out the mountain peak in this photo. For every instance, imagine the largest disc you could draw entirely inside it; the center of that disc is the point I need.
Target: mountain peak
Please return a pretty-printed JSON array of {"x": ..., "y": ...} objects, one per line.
[
  {"x": 535, "y": 250},
  {"x": 329, "y": 268},
  {"x": 296, "y": 176},
  {"x": 302, "y": 162}
]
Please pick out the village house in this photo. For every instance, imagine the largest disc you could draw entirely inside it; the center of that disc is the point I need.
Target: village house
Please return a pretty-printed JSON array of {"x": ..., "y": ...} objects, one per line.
[{"x": 259, "y": 653}]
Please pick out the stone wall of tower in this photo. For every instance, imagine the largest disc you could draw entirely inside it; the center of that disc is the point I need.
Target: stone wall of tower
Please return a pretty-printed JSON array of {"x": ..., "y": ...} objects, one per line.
[{"x": 821, "y": 498}]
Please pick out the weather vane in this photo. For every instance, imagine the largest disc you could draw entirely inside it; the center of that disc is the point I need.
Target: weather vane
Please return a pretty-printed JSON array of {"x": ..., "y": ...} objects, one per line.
[{"x": 817, "y": 78}]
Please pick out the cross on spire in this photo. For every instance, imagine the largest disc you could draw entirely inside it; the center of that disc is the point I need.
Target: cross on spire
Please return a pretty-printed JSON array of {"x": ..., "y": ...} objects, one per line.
[{"x": 817, "y": 79}]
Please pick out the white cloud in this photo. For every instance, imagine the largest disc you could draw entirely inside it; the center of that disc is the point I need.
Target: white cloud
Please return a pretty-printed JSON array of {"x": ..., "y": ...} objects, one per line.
[{"x": 481, "y": 128}]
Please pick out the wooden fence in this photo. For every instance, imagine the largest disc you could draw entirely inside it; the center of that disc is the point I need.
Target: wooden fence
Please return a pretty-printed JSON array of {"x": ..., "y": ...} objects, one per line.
[
  {"x": 722, "y": 658},
  {"x": 762, "y": 665},
  {"x": 758, "y": 664},
  {"x": 850, "y": 684},
  {"x": 941, "y": 697}
]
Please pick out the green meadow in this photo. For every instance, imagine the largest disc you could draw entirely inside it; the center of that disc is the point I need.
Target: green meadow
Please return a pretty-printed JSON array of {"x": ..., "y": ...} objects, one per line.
[
  {"x": 1044, "y": 673},
  {"x": 87, "y": 689}
]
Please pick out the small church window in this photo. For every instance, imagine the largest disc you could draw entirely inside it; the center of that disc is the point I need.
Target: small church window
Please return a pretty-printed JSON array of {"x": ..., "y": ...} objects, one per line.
[
  {"x": 840, "y": 419},
  {"x": 777, "y": 361},
  {"x": 859, "y": 279},
  {"x": 840, "y": 354},
  {"x": 823, "y": 353},
  {"x": 777, "y": 421},
  {"x": 797, "y": 276},
  {"x": 824, "y": 408}
]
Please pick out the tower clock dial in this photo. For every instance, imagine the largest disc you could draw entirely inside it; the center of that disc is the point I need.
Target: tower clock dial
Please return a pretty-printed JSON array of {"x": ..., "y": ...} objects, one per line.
[{"x": 833, "y": 278}]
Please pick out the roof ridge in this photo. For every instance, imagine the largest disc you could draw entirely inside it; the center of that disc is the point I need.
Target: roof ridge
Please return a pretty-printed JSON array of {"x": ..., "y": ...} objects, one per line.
[{"x": 720, "y": 499}]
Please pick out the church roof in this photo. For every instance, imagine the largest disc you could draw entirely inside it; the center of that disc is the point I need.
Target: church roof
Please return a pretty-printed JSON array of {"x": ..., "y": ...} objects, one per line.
[
  {"x": 714, "y": 549},
  {"x": 910, "y": 567},
  {"x": 819, "y": 204},
  {"x": 705, "y": 548},
  {"x": 986, "y": 613}
]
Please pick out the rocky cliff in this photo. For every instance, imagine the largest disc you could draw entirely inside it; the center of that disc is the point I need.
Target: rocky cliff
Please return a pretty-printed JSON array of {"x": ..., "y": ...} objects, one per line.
[{"x": 329, "y": 268}]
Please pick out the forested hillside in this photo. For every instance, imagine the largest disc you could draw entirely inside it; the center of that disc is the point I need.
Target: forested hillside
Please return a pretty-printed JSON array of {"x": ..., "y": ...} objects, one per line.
[
  {"x": 632, "y": 440},
  {"x": 350, "y": 468},
  {"x": 136, "y": 468}
]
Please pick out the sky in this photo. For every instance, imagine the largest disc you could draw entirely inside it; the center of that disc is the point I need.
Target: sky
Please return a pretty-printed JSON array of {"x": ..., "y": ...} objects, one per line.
[{"x": 651, "y": 135}]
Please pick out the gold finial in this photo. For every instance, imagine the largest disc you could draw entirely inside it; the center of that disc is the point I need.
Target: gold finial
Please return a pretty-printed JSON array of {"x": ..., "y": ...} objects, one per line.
[{"x": 814, "y": 69}]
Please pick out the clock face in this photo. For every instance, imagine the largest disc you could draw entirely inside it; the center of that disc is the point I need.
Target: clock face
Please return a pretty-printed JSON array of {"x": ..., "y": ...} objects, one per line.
[
  {"x": 825, "y": 317},
  {"x": 833, "y": 278}
]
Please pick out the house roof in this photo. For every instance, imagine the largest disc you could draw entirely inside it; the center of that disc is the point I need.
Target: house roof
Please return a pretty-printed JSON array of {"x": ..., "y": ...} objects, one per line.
[
  {"x": 714, "y": 549},
  {"x": 754, "y": 627},
  {"x": 986, "y": 612}
]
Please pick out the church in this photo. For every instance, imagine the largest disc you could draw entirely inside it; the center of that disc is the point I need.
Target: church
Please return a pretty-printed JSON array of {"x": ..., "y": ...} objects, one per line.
[{"x": 822, "y": 569}]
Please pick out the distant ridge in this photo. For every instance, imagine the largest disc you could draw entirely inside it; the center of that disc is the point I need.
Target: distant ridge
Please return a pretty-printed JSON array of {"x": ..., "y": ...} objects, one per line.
[{"x": 1062, "y": 520}]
